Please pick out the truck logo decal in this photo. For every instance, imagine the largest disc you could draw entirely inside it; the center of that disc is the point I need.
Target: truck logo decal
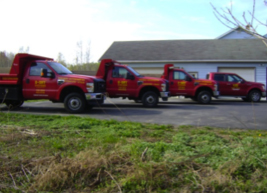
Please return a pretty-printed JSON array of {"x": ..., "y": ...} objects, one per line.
[
  {"x": 181, "y": 85},
  {"x": 235, "y": 87},
  {"x": 74, "y": 80},
  {"x": 9, "y": 78},
  {"x": 204, "y": 82},
  {"x": 122, "y": 85},
  {"x": 40, "y": 84},
  {"x": 40, "y": 91},
  {"x": 150, "y": 80}
]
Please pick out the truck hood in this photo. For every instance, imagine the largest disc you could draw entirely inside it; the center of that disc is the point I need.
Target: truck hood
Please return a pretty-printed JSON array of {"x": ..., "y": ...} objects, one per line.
[
  {"x": 205, "y": 81},
  {"x": 77, "y": 76},
  {"x": 152, "y": 79},
  {"x": 255, "y": 83}
]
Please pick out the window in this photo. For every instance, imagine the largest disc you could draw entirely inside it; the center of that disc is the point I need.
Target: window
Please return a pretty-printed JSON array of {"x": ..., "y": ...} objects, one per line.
[
  {"x": 194, "y": 74},
  {"x": 119, "y": 72},
  {"x": 177, "y": 75},
  {"x": 219, "y": 77},
  {"x": 35, "y": 69},
  {"x": 233, "y": 78},
  {"x": 59, "y": 68}
]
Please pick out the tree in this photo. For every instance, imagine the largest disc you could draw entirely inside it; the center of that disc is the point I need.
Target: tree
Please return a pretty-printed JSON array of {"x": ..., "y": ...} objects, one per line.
[
  {"x": 60, "y": 59},
  {"x": 230, "y": 20},
  {"x": 6, "y": 59},
  {"x": 22, "y": 50},
  {"x": 79, "y": 53},
  {"x": 83, "y": 56}
]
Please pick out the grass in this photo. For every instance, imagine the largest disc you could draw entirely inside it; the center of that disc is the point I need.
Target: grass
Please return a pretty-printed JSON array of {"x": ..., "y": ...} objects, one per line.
[{"x": 75, "y": 154}]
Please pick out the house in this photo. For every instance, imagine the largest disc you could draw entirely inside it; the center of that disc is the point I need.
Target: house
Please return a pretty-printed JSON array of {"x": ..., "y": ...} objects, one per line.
[
  {"x": 244, "y": 56},
  {"x": 240, "y": 33}
]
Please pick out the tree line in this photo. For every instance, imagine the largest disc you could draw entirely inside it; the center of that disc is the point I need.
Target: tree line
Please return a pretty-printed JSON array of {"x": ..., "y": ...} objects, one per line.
[{"x": 81, "y": 61}]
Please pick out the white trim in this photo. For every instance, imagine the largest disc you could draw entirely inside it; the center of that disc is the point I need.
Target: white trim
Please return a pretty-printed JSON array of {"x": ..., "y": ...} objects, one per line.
[{"x": 189, "y": 61}]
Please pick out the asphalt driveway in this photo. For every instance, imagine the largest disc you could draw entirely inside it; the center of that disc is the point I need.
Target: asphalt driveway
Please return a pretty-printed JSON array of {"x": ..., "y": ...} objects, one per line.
[{"x": 230, "y": 113}]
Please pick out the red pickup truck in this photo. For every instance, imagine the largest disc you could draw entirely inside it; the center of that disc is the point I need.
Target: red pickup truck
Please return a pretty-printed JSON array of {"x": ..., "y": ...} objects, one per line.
[
  {"x": 123, "y": 81},
  {"x": 37, "y": 77},
  {"x": 183, "y": 84},
  {"x": 232, "y": 85}
]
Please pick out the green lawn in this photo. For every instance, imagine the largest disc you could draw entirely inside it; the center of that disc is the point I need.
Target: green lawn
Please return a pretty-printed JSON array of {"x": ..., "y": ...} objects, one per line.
[{"x": 75, "y": 154}]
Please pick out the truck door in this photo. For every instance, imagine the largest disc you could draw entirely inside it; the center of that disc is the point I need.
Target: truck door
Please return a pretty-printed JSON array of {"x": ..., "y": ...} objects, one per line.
[
  {"x": 238, "y": 86},
  {"x": 181, "y": 84},
  {"x": 37, "y": 87},
  {"x": 223, "y": 84},
  {"x": 117, "y": 83}
]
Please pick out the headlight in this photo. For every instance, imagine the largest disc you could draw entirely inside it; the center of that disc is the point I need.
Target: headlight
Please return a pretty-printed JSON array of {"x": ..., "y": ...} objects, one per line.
[
  {"x": 263, "y": 87},
  {"x": 90, "y": 87},
  {"x": 163, "y": 87},
  {"x": 215, "y": 86}
]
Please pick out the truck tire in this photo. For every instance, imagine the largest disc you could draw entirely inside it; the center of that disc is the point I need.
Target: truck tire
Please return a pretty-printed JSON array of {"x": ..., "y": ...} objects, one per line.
[
  {"x": 204, "y": 97},
  {"x": 74, "y": 103},
  {"x": 193, "y": 98},
  {"x": 254, "y": 96},
  {"x": 14, "y": 104},
  {"x": 150, "y": 99}
]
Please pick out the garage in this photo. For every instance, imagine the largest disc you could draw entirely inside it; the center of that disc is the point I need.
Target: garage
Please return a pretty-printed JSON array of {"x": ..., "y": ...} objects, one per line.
[{"x": 246, "y": 73}]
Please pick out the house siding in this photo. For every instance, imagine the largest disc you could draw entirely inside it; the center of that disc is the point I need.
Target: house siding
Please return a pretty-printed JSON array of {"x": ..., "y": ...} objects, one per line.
[{"x": 238, "y": 35}]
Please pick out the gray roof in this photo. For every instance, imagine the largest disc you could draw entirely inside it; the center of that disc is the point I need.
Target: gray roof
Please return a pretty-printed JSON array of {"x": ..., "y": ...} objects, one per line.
[{"x": 219, "y": 50}]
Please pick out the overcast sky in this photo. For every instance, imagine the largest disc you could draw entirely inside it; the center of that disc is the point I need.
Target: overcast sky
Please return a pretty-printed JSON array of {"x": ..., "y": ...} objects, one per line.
[{"x": 48, "y": 27}]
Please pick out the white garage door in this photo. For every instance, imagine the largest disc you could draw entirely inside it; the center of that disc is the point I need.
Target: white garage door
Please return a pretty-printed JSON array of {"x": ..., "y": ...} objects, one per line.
[{"x": 246, "y": 73}]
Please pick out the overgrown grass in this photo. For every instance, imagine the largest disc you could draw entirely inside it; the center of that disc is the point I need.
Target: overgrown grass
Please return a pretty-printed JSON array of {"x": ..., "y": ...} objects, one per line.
[{"x": 75, "y": 154}]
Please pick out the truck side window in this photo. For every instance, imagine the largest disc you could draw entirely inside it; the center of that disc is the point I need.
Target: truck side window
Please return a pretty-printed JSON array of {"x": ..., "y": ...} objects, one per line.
[
  {"x": 178, "y": 75},
  {"x": 233, "y": 78},
  {"x": 35, "y": 69},
  {"x": 119, "y": 72},
  {"x": 219, "y": 77}
]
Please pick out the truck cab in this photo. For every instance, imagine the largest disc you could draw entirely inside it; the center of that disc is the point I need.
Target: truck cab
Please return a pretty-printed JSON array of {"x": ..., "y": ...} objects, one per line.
[
  {"x": 124, "y": 81},
  {"x": 183, "y": 84},
  {"x": 233, "y": 85}
]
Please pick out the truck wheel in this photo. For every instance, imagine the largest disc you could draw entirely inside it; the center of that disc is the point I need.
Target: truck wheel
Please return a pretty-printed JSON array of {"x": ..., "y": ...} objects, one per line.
[
  {"x": 74, "y": 103},
  {"x": 14, "y": 104},
  {"x": 204, "y": 97},
  {"x": 193, "y": 98},
  {"x": 254, "y": 96},
  {"x": 245, "y": 99},
  {"x": 150, "y": 99}
]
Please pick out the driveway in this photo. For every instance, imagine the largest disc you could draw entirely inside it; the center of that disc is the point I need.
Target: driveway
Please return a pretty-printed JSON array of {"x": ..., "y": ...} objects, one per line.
[{"x": 227, "y": 113}]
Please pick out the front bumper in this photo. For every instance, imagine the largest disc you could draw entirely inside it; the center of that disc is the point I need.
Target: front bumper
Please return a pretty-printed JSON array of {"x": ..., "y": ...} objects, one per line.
[
  {"x": 94, "y": 96},
  {"x": 263, "y": 94},
  {"x": 216, "y": 93},
  {"x": 164, "y": 94}
]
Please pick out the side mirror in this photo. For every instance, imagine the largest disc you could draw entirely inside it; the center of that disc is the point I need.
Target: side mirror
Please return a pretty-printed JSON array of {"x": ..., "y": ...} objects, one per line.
[
  {"x": 130, "y": 76},
  {"x": 46, "y": 74},
  {"x": 187, "y": 78}
]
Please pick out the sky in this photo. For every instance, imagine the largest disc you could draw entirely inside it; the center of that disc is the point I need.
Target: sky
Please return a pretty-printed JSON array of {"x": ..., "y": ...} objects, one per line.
[{"x": 50, "y": 27}]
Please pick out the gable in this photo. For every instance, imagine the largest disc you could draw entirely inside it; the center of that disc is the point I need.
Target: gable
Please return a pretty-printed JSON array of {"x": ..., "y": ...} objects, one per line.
[{"x": 238, "y": 34}]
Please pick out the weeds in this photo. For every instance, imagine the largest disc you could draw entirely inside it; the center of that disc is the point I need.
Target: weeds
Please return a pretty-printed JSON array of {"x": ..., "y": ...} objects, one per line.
[{"x": 75, "y": 154}]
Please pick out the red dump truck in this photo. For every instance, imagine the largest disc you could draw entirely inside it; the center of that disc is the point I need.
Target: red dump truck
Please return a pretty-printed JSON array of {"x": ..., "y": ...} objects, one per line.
[
  {"x": 183, "y": 84},
  {"x": 123, "y": 81},
  {"x": 232, "y": 85},
  {"x": 36, "y": 77}
]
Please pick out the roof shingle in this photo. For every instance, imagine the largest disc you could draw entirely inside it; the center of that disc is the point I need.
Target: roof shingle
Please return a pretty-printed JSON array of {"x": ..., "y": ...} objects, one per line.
[{"x": 188, "y": 50}]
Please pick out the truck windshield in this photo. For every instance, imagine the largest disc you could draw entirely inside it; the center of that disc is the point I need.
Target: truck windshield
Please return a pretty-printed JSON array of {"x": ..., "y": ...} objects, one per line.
[
  {"x": 59, "y": 68},
  {"x": 133, "y": 71}
]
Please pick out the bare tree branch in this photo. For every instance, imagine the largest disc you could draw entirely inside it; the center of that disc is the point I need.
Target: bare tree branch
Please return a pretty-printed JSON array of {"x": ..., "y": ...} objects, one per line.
[{"x": 228, "y": 18}]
